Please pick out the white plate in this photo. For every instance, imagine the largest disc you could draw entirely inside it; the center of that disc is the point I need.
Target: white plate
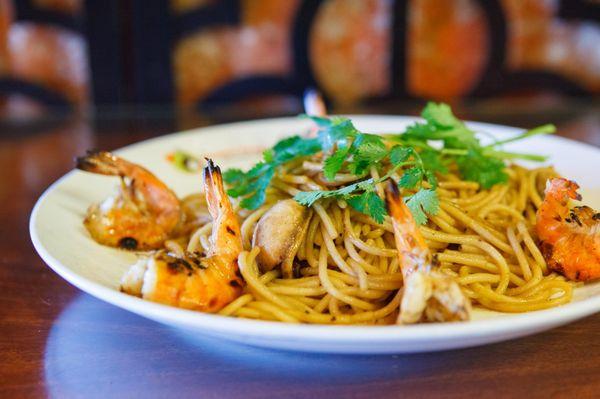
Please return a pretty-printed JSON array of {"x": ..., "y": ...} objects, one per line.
[{"x": 61, "y": 240}]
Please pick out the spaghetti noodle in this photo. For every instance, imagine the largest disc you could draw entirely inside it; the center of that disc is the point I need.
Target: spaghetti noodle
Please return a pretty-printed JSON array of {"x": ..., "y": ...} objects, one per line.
[{"x": 346, "y": 268}]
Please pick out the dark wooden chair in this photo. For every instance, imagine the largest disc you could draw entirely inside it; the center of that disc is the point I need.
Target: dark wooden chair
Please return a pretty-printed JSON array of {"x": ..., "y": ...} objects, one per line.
[{"x": 130, "y": 45}]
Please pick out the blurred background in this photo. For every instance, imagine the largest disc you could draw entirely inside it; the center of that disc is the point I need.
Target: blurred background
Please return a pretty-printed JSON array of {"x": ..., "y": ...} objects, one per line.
[{"x": 189, "y": 61}]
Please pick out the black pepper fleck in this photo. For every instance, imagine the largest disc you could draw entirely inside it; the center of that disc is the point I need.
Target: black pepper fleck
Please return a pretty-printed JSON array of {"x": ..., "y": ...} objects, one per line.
[{"x": 128, "y": 243}]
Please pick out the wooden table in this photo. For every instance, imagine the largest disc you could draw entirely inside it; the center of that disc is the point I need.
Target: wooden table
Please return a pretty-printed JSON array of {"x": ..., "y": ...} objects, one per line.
[{"x": 57, "y": 341}]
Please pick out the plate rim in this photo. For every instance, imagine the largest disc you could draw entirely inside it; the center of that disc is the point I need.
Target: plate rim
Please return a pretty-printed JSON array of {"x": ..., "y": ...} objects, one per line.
[{"x": 330, "y": 334}]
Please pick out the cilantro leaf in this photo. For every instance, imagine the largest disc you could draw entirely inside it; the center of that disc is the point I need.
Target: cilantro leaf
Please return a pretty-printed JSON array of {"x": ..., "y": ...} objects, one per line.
[
  {"x": 334, "y": 163},
  {"x": 252, "y": 181},
  {"x": 361, "y": 185},
  {"x": 418, "y": 131},
  {"x": 400, "y": 154},
  {"x": 367, "y": 153},
  {"x": 286, "y": 143},
  {"x": 424, "y": 151},
  {"x": 440, "y": 115},
  {"x": 422, "y": 202},
  {"x": 371, "y": 152},
  {"x": 376, "y": 207},
  {"x": 336, "y": 133},
  {"x": 358, "y": 202},
  {"x": 294, "y": 147},
  {"x": 233, "y": 175},
  {"x": 431, "y": 178},
  {"x": 308, "y": 198},
  {"x": 259, "y": 193},
  {"x": 484, "y": 170},
  {"x": 411, "y": 177},
  {"x": 252, "y": 185},
  {"x": 269, "y": 155},
  {"x": 359, "y": 195},
  {"x": 443, "y": 125},
  {"x": 367, "y": 138},
  {"x": 370, "y": 204},
  {"x": 359, "y": 150},
  {"x": 432, "y": 161}
]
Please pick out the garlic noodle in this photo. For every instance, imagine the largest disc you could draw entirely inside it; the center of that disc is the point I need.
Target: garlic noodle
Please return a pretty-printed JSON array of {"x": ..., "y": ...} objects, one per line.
[{"x": 346, "y": 268}]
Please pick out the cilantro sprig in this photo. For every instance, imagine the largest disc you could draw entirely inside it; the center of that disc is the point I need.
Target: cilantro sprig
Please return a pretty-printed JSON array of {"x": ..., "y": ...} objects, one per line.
[
  {"x": 423, "y": 202},
  {"x": 446, "y": 139},
  {"x": 362, "y": 195},
  {"x": 252, "y": 185},
  {"x": 356, "y": 152},
  {"x": 418, "y": 155},
  {"x": 348, "y": 146}
]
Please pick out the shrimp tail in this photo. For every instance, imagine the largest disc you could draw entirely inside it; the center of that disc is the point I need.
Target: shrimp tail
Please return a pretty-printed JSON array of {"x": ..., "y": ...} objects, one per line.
[
  {"x": 409, "y": 236},
  {"x": 100, "y": 162},
  {"x": 395, "y": 204},
  {"x": 141, "y": 215},
  {"x": 213, "y": 187},
  {"x": 226, "y": 237},
  {"x": 562, "y": 189}
]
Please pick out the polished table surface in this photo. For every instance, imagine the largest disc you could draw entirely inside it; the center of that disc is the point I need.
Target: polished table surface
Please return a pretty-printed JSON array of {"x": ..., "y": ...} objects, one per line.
[{"x": 59, "y": 342}]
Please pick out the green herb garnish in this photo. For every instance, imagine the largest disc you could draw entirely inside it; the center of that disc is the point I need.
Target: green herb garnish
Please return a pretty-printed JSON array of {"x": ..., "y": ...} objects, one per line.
[
  {"x": 444, "y": 139},
  {"x": 418, "y": 155},
  {"x": 361, "y": 196},
  {"x": 422, "y": 202},
  {"x": 252, "y": 185}
]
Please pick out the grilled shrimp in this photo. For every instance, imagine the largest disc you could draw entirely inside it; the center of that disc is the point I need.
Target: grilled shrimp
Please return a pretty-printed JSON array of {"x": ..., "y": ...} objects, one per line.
[
  {"x": 569, "y": 238},
  {"x": 429, "y": 295},
  {"x": 142, "y": 215},
  {"x": 204, "y": 282}
]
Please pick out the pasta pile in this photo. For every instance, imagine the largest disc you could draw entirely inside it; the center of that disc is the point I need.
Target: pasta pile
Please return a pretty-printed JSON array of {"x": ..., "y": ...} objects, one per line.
[{"x": 346, "y": 269}]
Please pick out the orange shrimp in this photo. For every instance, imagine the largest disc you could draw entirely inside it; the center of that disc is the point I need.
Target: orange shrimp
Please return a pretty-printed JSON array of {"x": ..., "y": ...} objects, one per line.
[
  {"x": 197, "y": 281},
  {"x": 143, "y": 214},
  {"x": 429, "y": 295},
  {"x": 569, "y": 238}
]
